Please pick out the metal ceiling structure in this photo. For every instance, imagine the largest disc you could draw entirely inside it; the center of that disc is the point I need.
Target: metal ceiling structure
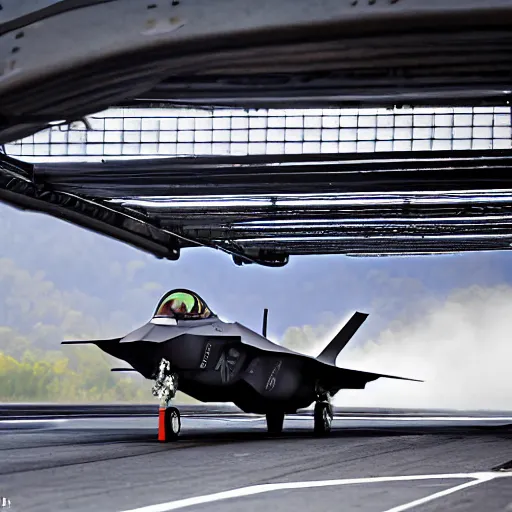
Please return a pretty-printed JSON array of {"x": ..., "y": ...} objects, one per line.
[
  {"x": 265, "y": 208},
  {"x": 134, "y": 133},
  {"x": 63, "y": 60},
  {"x": 263, "y": 186}
]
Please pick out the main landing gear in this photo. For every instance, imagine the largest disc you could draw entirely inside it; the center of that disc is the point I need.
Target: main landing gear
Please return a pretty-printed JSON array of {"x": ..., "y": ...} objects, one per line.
[
  {"x": 275, "y": 420},
  {"x": 165, "y": 388},
  {"x": 323, "y": 415}
]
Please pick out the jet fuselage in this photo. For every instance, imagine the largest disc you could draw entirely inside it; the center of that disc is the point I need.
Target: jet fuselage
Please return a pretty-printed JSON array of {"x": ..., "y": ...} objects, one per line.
[
  {"x": 214, "y": 364},
  {"x": 216, "y": 361}
]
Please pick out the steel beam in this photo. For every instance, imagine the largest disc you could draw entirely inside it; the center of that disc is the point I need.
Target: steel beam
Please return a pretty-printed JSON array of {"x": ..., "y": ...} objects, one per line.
[
  {"x": 397, "y": 172},
  {"x": 18, "y": 189}
]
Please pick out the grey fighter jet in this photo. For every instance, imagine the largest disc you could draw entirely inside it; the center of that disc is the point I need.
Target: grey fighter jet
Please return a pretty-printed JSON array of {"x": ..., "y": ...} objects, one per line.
[{"x": 186, "y": 346}]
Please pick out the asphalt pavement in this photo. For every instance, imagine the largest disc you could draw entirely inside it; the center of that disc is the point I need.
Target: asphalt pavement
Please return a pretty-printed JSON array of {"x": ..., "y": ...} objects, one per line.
[{"x": 374, "y": 461}]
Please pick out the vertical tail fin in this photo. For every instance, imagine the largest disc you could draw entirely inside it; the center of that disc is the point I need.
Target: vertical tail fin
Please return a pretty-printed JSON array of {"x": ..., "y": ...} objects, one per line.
[{"x": 338, "y": 343}]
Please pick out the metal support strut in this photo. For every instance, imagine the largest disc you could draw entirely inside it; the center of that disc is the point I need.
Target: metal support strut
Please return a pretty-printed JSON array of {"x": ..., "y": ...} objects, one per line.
[{"x": 165, "y": 388}]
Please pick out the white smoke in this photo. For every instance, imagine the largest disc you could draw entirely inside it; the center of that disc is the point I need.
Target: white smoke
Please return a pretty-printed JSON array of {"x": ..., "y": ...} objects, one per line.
[{"x": 461, "y": 347}]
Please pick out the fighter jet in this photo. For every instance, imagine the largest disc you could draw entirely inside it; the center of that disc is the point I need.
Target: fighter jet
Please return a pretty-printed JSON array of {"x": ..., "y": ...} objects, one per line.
[{"x": 186, "y": 347}]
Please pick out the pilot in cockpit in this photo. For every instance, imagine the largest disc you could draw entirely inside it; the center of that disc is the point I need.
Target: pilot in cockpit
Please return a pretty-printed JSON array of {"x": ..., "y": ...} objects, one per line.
[
  {"x": 184, "y": 305},
  {"x": 173, "y": 307}
]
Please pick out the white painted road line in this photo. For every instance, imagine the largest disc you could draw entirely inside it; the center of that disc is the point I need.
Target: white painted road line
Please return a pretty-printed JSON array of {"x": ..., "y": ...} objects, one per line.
[
  {"x": 476, "y": 478},
  {"x": 360, "y": 418},
  {"x": 13, "y": 426},
  {"x": 441, "y": 494},
  {"x": 29, "y": 422},
  {"x": 412, "y": 418},
  {"x": 225, "y": 420}
]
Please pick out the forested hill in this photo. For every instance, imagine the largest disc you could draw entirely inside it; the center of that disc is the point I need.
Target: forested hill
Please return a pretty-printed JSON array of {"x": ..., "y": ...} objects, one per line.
[
  {"x": 59, "y": 282},
  {"x": 36, "y": 316}
]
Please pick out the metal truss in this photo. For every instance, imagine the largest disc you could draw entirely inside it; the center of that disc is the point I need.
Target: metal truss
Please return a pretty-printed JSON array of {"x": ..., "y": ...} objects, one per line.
[
  {"x": 263, "y": 209},
  {"x": 427, "y": 183},
  {"x": 18, "y": 188}
]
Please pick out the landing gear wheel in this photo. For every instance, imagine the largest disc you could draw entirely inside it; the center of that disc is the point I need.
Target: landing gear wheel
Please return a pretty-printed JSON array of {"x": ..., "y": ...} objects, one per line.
[
  {"x": 323, "y": 418},
  {"x": 172, "y": 424},
  {"x": 275, "y": 422}
]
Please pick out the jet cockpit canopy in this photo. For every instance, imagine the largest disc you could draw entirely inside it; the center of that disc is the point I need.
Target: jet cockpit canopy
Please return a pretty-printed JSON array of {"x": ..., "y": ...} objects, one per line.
[{"x": 182, "y": 304}]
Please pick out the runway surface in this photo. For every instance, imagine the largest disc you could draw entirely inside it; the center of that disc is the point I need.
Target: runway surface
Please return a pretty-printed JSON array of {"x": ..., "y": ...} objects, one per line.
[{"x": 374, "y": 461}]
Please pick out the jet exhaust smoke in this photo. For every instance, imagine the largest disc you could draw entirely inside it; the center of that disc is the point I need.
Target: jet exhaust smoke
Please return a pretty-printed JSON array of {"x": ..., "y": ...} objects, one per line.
[{"x": 461, "y": 346}]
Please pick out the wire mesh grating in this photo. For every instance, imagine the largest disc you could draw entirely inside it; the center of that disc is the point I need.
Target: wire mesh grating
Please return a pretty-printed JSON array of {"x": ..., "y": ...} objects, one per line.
[{"x": 182, "y": 132}]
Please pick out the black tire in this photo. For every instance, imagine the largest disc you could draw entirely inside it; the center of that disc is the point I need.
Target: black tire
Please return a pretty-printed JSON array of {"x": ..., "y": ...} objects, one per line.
[
  {"x": 172, "y": 424},
  {"x": 323, "y": 419},
  {"x": 275, "y": 420}
]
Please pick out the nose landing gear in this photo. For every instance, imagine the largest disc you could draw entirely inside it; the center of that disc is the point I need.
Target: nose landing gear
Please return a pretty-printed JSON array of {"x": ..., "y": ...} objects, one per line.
[
  {"x": 169, "y": 424},
  {"x": 165, "y": 388}
]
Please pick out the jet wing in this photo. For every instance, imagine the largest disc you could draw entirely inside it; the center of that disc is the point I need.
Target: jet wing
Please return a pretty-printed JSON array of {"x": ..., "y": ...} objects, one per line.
[
  {"x": 99, "y": 343},
  {"x": 342, "y": 378}
]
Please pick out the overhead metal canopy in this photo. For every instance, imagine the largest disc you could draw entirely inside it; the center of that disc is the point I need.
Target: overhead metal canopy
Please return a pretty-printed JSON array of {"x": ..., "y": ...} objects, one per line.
[
  {"x": 273, "y": 175},
  {"x": 265, "y": 208},
  {"x": 62, "y": 61},
  {"x": 68, "y": 59}
]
